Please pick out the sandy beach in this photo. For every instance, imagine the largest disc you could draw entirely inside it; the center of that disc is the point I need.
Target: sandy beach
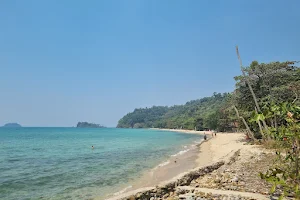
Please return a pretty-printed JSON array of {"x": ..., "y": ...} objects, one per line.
[
  {"x": 182, "y": 162},
  {"x": 217, "y": 148},
  {"x": 184, "y": 131}
]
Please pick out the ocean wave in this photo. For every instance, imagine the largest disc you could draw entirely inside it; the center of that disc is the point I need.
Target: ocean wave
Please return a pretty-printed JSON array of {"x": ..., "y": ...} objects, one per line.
[
  {"x": 122, "y": 191},
  {"x": 180, "y": 152},
  {"x": 199, "y": 141},
  {"x": 162, "y": 164}
]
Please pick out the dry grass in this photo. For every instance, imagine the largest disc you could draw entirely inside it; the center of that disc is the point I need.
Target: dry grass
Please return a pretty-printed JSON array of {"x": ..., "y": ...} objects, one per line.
[{"x": 271, "y": 144}]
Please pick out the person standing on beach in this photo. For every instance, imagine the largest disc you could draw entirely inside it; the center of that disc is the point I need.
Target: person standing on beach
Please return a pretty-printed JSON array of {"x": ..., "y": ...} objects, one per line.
[{"x": 204, "y": 136}]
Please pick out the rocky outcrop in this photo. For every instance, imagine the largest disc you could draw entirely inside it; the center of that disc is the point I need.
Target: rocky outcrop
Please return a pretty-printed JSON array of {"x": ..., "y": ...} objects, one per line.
[
  {"x": 172, "y": 187},
  {"x": 235, "y": 179},
  {"x": 241, "y": 173},
  {"x": 88, "y": 125},
  {"x": 12, "y": 125}
]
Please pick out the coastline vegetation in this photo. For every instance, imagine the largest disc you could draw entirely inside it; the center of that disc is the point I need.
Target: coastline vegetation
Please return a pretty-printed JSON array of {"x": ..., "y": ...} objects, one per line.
[
  {"x": 267, "y": 95},
  {"x": 272, "y": 83},
  {"x": 265, "y": 105},
  {"x": 197, "y": 114}
]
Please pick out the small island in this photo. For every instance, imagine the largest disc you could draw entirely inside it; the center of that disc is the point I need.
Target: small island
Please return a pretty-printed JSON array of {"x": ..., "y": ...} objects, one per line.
[
  {"x": 88, "y": 125},
  {"x": 12, "y": 125}
]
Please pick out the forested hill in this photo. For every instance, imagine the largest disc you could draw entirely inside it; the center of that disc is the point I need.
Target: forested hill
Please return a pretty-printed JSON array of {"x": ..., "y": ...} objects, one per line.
[
  {"x": 197, "y": 114},
  {"x": 275, "y": 85}
]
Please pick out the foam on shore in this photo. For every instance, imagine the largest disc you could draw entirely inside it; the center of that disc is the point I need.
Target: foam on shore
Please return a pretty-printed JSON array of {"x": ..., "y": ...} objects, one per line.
[{"x": 122, "y": 191}]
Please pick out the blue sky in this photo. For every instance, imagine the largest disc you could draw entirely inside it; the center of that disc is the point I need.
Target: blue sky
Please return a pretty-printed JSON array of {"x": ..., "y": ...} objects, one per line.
[{"x": 67, "y": 61}]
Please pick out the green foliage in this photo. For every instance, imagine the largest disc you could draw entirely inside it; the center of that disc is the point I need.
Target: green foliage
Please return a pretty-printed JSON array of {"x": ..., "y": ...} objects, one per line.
[
  {"x": 200, "y": 114},
  {"x": 212, "y": 120},
  {"x": 144, "y": 117},
  {"x": 272, "y": 83},
  {"x": 286, "y": 172},
  {"x": 276, "y": 86}
]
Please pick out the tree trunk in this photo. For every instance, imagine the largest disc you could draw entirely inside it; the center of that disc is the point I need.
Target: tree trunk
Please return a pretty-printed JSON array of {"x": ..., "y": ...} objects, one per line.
[
  {"x": 295, "y": 97},
  {"x": 260, "y": 128},
  {"x": 275, "y": 119},
  {"x": 245, "y": 123},
  {"x": 250, "y": 88},
  {"x": 272, "y": 123}
]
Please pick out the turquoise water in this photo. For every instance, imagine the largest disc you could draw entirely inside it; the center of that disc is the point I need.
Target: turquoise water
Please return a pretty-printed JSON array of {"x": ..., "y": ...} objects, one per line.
[{"x": 59, "y": 163}]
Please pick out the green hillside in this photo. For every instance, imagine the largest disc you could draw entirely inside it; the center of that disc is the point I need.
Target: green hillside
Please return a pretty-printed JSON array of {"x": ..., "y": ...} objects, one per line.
[
  {"x": 272, "y": 83},
  {"x": 194, "y": 114}
]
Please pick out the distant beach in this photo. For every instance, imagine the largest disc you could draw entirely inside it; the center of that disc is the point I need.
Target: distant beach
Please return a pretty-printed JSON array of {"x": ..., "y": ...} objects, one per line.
[{"x": 183, "y": 131}]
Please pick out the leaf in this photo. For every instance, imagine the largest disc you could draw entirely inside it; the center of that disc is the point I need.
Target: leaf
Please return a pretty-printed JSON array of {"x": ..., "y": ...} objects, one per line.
[
  {"x": 287, "y": 157},
  {"x": 257, "y": 117},
  {"x": 273, "y": 188},
  {"x": 297, "y": 108},
  {"x": 261, "y": 117}
]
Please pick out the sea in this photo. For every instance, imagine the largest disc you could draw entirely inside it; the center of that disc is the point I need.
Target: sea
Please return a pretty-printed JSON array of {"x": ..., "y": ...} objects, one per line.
[{"x": 60, "y": 163}]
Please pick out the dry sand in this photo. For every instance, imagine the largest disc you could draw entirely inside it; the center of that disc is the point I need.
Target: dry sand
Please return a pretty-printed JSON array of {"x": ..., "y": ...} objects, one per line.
[{"x": 220, "y": 147}]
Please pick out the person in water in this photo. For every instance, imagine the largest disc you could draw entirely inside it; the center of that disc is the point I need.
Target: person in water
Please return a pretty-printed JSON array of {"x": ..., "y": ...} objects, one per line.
[{"x": 92, "y": 147}]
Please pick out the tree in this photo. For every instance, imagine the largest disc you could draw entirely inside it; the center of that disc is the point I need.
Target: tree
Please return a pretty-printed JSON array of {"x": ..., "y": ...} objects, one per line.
[
  {"x": 247, "y": 78},
  {"x": 263, "y": 84},
  {"x": 193, "y": 114}
]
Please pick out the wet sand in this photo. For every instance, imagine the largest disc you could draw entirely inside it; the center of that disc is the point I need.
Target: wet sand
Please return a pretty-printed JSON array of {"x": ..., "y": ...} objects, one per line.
[
  {"x": 167, "y": 170},
  {"x": 175, "y": 165}
]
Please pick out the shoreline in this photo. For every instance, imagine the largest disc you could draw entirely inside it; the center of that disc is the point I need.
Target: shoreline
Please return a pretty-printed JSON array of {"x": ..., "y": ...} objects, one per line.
[
  {"x": 220, "y": 163},
  {"x": 199, "y": 156},
  {"x": 178, "y": 163},
  {"x": 183, "y": 131}
]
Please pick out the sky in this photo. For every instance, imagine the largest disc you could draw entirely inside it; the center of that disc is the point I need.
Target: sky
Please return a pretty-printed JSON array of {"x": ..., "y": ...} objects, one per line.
[{"x": 67, "y": 61}]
